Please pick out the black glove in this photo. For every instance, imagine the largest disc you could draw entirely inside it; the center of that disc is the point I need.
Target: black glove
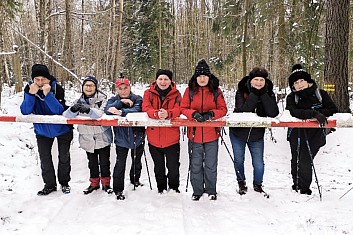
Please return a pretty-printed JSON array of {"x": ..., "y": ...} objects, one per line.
[
  {"x": 198, "y": 117},
  {"x": 322, "y": 120},
  {"x": 85, "y": 109},
  {"x": 208, "y": 115},
  {"x": 76, "y": 107}
]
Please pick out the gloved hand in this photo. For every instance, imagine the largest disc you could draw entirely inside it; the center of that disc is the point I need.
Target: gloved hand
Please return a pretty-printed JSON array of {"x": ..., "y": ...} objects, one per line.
[
  {"x": 198, "y": 117},
  {"x": 208, "y": 115},
  {"x": 76, "y": 107},
  {"x": 322, "y": 120},
  {"x": 85, "y": 109}
]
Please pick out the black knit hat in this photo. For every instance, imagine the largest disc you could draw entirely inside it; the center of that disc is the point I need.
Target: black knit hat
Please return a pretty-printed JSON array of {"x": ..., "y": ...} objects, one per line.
[
  {"x": 258, "y": 72},
  {"x": 90, "y": 78},
  {"x": 299, "y": 73},
  {"x": 40, "y": 70},
  {"x": 164, "y": 72},
  {"x": 202, "y": 69}
]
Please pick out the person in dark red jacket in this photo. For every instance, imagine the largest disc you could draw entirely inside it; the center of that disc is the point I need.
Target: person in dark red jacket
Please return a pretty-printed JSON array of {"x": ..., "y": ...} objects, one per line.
[
  {"x": 162, "y": 101},
  {"x": 203, "y": 100}
]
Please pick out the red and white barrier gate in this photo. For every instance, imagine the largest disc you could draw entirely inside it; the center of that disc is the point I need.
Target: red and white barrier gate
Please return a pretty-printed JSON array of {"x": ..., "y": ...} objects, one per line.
[{"x": 141, "y": 119}]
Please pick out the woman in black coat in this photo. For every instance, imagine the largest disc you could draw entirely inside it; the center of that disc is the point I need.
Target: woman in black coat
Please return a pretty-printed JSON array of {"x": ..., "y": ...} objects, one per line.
[
  {"x": 255, "y": 94},
  {"x": 306, "y": 101}
]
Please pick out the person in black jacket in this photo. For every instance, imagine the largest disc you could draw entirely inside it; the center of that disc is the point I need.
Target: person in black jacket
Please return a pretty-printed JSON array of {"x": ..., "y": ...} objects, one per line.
[
  {"x": 255, "y": 94},
  {"x": 306, "y": 101}
]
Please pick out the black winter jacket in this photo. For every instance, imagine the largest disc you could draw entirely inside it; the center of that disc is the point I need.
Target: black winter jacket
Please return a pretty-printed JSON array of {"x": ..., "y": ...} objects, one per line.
[
  {"x": 303, "y": 108},
  {"x": 246, "y": 101}
]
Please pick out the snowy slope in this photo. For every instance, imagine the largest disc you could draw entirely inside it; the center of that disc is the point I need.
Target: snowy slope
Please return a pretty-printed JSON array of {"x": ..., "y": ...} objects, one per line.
[{"x": 146, "y": 212}]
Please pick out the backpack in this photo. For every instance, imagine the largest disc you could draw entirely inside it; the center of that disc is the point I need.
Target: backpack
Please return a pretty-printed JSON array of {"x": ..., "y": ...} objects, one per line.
[{"x": 326, "y": 131}]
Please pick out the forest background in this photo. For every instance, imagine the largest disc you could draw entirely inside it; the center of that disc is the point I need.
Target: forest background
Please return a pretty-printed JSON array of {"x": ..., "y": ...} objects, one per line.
[{"x": 104, "y": 38}]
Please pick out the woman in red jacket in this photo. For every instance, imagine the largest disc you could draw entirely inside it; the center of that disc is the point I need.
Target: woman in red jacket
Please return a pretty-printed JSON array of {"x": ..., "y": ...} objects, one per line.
[
  {"x": 162, "y": 101},
  {"x": 203, "y": 100}
]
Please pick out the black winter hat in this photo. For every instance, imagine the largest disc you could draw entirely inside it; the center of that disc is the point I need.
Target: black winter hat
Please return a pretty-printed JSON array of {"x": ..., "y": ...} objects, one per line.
[
  {"x": 258, "y": 72},
  {"x": 90, "y": 78},
  {"x": 202, "y": 69},
  {"x": 165, "y": 72},
  {"x": 299, "y": 73},
  {"x": 40, "y": 70}
]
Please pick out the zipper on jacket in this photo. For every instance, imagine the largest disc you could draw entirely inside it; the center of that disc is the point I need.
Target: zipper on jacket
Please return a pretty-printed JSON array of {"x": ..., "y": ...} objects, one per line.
[{"x": 202, "y": 111}]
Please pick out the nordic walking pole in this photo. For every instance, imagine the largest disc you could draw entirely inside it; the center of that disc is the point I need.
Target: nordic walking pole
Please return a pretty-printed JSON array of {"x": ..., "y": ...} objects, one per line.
[
  {"x": 312, "y": 163},
  {"x": 346, "y": 193},
  {"x": 231, "y": 157},
  {"x": 190, "y": 156},
  {"x": 134, "y": 160},
  {"x": 148, "y": 172},
  {"x": 298, "y": 156}
]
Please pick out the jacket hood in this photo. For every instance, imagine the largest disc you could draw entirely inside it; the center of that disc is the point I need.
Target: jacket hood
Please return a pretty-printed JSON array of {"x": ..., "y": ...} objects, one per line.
[{"x": 244, "y": 84}]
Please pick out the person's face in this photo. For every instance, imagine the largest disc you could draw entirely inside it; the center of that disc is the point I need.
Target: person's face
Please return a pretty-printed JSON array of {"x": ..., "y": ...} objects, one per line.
[
  {"x": 258, "y": 82},
  {"x": 123, "y": 91},
  {"x": 300, "y": 84},
  {"x": 163, "y": 82},
  {"x": 40, "y": 81},
  {"x": 89, "y": 88},
  {"x": 202, "y": 80}
]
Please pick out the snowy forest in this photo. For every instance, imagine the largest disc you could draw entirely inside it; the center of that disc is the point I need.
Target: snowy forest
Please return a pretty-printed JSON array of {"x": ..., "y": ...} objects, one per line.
[{"x": 107, "y": 37}]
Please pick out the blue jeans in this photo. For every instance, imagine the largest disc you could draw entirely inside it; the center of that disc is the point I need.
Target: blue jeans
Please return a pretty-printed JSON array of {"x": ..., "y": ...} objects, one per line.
[{"x": 257, "y": 155}]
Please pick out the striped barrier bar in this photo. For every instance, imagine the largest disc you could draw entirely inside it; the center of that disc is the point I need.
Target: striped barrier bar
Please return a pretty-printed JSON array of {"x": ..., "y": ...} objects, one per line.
[{"x": 141, "y": 119}]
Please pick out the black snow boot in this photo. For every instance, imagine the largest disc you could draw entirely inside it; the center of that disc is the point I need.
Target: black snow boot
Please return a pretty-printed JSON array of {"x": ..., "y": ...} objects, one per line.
[
  {"x": 107, "y": 189},
  {"x": 90, "y": 189},
  {"x": 242, "y": 187},
  {"x": 195, "y": 197},
  {"x": 46, "y": 191},
  {"x": 258, "y": 188},
  {"x": 120, "y": 196},
  {"x": 306, "y": 191}
]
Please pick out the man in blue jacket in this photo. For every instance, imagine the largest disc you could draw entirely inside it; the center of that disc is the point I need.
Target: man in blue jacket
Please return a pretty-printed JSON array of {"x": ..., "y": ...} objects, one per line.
[
  {"x": 126, "y": 138},
  {"x": 43, "y": 96}
]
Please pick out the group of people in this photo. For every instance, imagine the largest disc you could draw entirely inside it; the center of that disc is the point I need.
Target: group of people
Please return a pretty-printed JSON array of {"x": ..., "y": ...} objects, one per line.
[{"x": 202, "y": 100}]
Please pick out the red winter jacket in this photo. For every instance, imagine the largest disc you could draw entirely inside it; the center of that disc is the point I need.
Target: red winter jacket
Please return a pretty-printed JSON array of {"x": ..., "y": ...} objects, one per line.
[
  {"x": 203, "y": 101},
  {"x": 162, "y": 137}
]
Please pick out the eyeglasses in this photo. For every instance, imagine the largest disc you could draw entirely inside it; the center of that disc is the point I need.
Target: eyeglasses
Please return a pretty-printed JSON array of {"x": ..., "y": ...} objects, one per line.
[{"x": 89, "y": 85}]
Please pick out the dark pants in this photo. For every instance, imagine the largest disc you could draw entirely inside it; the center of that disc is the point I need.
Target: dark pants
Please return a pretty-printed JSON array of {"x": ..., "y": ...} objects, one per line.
[
  {"x": 46, "y": 162},
  {"x": 99, "y": 159},
  {"x": 120, "y": 165},
  {"x": 203, "y": 167},
  {"x": 161, "y": 156},
  {"x": 304, "y": 165}
]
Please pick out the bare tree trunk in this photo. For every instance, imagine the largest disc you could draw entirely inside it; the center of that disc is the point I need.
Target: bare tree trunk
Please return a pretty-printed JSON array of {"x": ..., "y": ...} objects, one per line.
[
  {"x": 120, "y": 24},
  {"x": 336, "y": 52},
  {"x": 17, "y": 71},
  {"x": 281, "y": 74},
  {"x": 68, "y": 51},
  {"x": 245, "y": 36}
]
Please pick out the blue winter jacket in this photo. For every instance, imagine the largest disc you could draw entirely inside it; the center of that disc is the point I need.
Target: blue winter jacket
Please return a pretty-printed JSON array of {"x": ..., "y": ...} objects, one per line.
[
  {"x": 52, "y": 104},
  {"x": 127, "y": 137}
]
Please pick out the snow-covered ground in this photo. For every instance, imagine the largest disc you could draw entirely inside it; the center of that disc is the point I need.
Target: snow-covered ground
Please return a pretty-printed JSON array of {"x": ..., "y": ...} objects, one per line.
[{"x": 146, "y": 212}]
